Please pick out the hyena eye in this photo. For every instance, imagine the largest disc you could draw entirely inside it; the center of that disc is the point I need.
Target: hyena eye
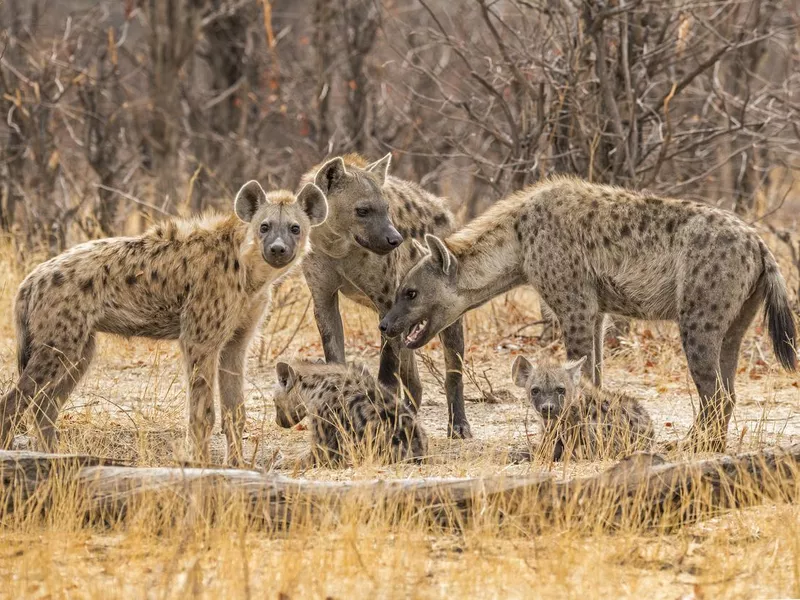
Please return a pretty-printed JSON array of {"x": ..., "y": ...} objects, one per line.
[
  {"x": 295, "y": 229},
  {"x": 362, "y": 212},
  {"x": 535, "y": 391},
  {"x": 411, "y": 294},
  {"x": 264, "y": 228},
  {"x": 561, "y": 391}
]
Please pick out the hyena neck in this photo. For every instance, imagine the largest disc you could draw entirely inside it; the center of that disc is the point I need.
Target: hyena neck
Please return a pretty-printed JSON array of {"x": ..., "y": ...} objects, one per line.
[
  {"x": 488, "y": 266},
  {"x": 330, "y": 243}
]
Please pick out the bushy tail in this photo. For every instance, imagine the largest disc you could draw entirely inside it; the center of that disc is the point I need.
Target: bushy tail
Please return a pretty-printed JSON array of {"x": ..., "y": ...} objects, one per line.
[
  {"x": 21, "y": 310},
  {"x": 778, "y": 313}
]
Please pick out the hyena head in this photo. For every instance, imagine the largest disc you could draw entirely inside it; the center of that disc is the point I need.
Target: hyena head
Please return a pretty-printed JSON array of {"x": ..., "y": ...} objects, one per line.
[
  {"x": 427, "y": 300},
  {"x": 550, "y": 388},
  {"x": 290, "y": 406},
  {"x": 279, "y": 222},
  {"x": 359, "y": 209}
]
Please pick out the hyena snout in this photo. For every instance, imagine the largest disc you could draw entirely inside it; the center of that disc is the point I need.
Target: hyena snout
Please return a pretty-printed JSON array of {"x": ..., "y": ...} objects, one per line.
[
  {"x": 393, "y": 238},
  {"x": 381, "y": 237},
  {"x": 278, "y": 253},
  {"x": 549, "y": 410}
]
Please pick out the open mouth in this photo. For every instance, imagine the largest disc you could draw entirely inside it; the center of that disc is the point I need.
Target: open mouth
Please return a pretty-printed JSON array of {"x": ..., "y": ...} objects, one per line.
[{"x": 416, "y": 334}]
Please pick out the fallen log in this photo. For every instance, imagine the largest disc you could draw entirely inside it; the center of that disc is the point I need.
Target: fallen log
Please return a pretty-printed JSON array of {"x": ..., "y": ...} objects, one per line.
[{"x": 640, "y": 491}]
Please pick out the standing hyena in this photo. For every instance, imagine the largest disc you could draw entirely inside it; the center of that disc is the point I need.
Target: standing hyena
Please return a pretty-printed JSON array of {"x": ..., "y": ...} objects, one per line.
[
  {"x": 352, "y": 416},
  {"x": 579, "y": 419},
  {"x": 205, "y": 282},
  {"x": 359, "y": 253},
  {"x": 593, "y": 249}
]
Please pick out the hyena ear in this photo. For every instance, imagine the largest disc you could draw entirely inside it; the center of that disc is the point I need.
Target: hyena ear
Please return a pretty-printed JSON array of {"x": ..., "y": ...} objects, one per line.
[
  {"x": 573, "y": 369},
  {"x": 330, "y": 175},
  {"x": 249, "y": 199},
  {"x": 286, "y": 376},
  {"x": 314, "y": 204},
  {"x": 423, "y": 250},
  {"x": 521, "y": 371},
  {"x": 440, "y": 254},
  {"x": 380, "y": 167}
]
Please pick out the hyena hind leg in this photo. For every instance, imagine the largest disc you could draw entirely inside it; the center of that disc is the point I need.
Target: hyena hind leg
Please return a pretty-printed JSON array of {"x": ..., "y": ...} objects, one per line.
[
  {"x": 732, "y": 342},
  {"x": 703, "y": 356},
  {"x": 47, "y": 380},
  {"x": 46, "y": 413}
]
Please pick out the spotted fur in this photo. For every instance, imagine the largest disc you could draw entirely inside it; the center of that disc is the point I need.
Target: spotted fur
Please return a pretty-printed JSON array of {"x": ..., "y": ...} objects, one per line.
[
  {"x": 350, "y": 258},
  {"x": 351, "y": 415},
  {"x": 594, "y": 249},
  {"x": 204, "y": 282},
  {"x": 580, "y": 420}
]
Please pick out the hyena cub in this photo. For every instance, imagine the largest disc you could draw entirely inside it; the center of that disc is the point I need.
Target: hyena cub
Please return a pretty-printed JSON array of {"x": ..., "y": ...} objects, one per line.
[
  {"x": 352, "y": 416},
  {"x": 579, "y": 419},
  {"x": 205, "y": 282}
]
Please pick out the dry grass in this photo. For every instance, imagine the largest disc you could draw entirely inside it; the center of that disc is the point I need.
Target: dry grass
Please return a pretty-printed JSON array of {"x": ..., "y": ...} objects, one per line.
[{"x": 131, "y": 406}]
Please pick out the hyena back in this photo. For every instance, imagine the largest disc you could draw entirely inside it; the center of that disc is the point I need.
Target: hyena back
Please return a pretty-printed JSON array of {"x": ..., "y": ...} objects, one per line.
[
  {"x": 592, "y": 249},
  {"x": 579, "y": 419},
  {"x": 352, "y": 416},
  {"x": 359, "y": 253},
  {"x": 205, "y": 282}
]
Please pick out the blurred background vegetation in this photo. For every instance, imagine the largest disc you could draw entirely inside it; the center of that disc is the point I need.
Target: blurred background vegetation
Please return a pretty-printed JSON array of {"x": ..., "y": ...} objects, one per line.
[{"x": 119, "y": 112}]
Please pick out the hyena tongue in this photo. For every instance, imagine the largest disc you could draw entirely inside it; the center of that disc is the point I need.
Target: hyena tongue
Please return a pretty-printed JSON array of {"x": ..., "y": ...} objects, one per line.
[{"x": 416, "y": 331}]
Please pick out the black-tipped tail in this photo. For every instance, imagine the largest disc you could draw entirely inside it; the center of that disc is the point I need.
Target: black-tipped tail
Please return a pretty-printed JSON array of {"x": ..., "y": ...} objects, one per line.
[{"x": 780, "y": 320}]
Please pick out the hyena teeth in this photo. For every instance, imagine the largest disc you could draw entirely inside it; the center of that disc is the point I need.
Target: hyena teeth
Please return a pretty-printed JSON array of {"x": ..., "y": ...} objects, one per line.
[{"x": 416, "y": 331}]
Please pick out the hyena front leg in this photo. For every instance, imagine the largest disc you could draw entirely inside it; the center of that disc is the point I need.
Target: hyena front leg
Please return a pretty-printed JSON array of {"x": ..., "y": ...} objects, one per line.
[
  {"x": 329, "y": 324},
  {"x": 453, "y": 344},
  {"x": 398, "y": 368},
  {"x": 409, "y": 375},
  {"x": 233, "y": 360},
  {"x": 599, "y": 337},
  {"x": 201, "y": 371}
]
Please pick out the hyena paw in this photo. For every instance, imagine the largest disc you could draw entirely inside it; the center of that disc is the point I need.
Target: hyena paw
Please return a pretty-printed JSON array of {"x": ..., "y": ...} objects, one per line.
[{"x": 459, "y": 430}]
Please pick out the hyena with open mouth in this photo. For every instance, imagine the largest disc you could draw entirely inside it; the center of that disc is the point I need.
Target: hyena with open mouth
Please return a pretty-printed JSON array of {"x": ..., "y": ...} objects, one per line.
[{"x": 593, "y": 249}]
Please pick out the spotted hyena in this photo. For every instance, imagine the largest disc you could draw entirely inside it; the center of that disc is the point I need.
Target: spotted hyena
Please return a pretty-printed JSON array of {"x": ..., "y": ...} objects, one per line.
[
  {"x": 351, "y": 415},
  {"x": 594, "y": 249},
  {"x": 579, "y": 419},
  {"x": 204, "y": 282},
  {"x": 368, "y": 243}
]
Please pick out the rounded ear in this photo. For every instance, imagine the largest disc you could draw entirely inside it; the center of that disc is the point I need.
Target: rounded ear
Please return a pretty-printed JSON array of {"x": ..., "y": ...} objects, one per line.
[
  {"x": 521, "y": 371},
  {"x": 330, "y": 175},
  {"x": 440, "y": 254},
  {"x": 314, "y": 204},
  {"x": 574, "y": 369},
  {"x": 248, "y": 200},
  {"x": 286, "y": 376},
  {"x": 380, "y": 167}
]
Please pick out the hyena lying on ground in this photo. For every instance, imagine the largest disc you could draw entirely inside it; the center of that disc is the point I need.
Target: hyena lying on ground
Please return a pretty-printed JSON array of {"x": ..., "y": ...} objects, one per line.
[
  {"x": 205, "y": 282},
  {"x": 352, "y": 416},
  {"x": 580, "y": 420},
  {"x": 593, "y": 249},
  {"x": 359, "y": 253}
]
